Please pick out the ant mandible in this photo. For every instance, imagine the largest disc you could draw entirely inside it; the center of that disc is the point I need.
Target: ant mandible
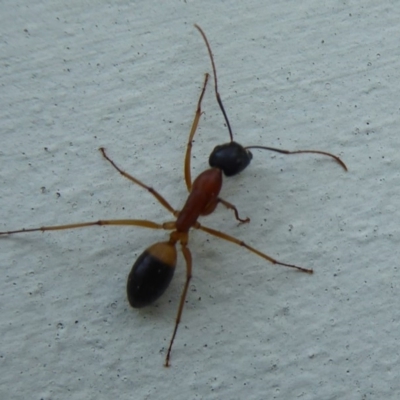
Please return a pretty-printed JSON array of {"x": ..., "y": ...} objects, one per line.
[{"x": 152, "y": 272}]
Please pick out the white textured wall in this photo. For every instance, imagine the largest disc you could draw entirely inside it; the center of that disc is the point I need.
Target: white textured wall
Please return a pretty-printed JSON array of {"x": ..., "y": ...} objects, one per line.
[{"x": 126, "y": 75}]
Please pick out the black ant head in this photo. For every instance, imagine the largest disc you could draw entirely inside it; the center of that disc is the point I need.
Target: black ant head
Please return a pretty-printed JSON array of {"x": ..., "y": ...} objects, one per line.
[{"x": 231, "y": 158}]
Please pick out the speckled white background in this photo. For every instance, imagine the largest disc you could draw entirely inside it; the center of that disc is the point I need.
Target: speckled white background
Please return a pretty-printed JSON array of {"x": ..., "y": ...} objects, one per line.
[{"x": 126, "y": 75}]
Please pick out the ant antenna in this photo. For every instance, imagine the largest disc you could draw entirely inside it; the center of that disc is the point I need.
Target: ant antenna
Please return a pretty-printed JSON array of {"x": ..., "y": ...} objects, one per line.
[
  {"x": 336, "y": 158},
  {"x": 219, "y": 151},
  {"x": 215, "y": 81}
]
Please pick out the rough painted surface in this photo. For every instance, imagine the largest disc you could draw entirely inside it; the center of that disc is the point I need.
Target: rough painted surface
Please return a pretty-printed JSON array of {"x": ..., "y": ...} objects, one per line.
[{"x": 126, "y": 76}]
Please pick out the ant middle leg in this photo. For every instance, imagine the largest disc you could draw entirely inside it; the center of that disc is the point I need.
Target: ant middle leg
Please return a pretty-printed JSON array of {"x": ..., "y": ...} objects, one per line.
[
  {"x": 232, "y": 239},
  {"x": 188, "y": 176},
  {"x": 154, "y": 192}
]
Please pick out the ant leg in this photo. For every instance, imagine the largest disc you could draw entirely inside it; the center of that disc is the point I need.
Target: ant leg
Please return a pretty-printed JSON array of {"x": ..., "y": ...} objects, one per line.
[
  {"x": 157, "y": 195},
  {"x": 143, "y": 223},
  {"x": 232, "y": 239},
  {"x": 230, "y": 206},
  {"x": 188, "y": 258},
  {"x": 324, "y": 153},
  {"x": 188, "y": 178}
]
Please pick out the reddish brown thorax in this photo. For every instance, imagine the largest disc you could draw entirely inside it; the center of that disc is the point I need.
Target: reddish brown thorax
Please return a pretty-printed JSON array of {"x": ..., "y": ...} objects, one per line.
[{"x": 202, "y": 199}]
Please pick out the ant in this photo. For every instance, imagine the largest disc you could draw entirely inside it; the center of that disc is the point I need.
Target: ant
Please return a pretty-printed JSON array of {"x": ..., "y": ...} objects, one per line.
[{"x": 153, "y": 270}]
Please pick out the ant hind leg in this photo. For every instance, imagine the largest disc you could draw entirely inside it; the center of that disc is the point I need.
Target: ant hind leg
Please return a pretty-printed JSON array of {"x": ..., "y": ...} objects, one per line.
[
  {"x": 232, "y": 239},
  {"x": 188, "y": 259}
]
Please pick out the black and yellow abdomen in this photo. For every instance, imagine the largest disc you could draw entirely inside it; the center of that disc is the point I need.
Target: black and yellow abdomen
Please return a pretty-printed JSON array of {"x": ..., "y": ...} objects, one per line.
[{"x": 151, "y": 274}]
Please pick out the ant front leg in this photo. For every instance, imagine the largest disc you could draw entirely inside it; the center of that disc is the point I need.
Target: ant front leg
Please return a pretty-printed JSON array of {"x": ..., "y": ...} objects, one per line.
[
  {"x": 230, "y": 206},
  {"x": 212, "y": 205},
  {"x": 188, "y": 177}
]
